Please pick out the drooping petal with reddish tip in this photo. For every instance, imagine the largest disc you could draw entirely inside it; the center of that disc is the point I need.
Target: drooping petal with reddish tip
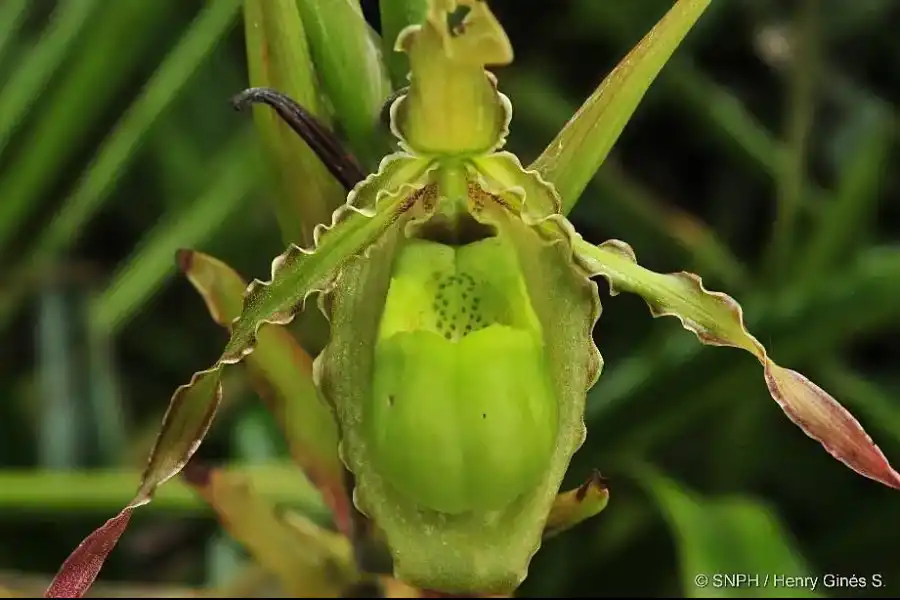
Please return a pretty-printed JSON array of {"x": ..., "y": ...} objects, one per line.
[
  {"x": 821, "y": 416},
  {"x": 185, "y": 424},
  {"x": 371, "y": 207},
  {"x": 716, "y": 319},
  {"x": 78, "y": 572}
]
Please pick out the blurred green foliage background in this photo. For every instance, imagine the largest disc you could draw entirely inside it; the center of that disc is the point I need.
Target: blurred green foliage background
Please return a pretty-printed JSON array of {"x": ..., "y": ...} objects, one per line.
[{"x": 761, "y": 158}]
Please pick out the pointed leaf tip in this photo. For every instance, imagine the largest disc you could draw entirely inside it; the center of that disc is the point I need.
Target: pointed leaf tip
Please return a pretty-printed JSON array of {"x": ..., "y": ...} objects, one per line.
[
  {"x": 78, "y": 572},
  {"x": 716, "y": 319},
  {"x": 570, "y": 161},
  {"x": 184, "y": 426},
  {"x": 822, "y": 418},
  {"x": 575, "y": 506}
]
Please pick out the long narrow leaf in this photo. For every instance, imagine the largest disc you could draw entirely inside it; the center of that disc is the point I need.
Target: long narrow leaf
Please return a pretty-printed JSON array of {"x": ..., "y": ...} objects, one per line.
[
  {"x": 39, "y": 65},
  {"x": 842, "y": 220},
  {"x": 571, "y": 159},
  {"x": 793, "y": 171},
  {"x": 349, "y": 63},
  {"x": 296, "y": 274},
  {"x": 12, "y": 14},
  {"x": 278, "y": 57},
  {"x": 99, "y": 68},
  {"x": 120, "y": 147},
  {"x": 233, "y": 177},
  {"x": 717, "y": 110},
  {"x": 89, "y": 491}
]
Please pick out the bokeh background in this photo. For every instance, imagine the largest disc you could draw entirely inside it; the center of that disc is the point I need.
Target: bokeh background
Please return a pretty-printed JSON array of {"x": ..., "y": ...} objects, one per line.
[{"x": 764, "y": 158}]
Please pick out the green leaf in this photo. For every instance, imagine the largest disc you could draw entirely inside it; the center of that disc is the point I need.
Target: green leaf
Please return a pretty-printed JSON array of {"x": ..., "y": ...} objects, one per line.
[
  {"x": 574, "y": 506},
  {"x": 234, "y": 175},
  {"x": 717, "y": 111},
  {"x": 12, "y": 15},
  {"x": 792, "y": 180},
  {"x": 395, "y": 17},
  {"x": 730, "y": 547},
  {"x": 39, "y": 65},
  {"x": 855, "y": 201},
  {"x": 99, "y": 67},
  {"x": 121, "y": 146},
  {"x": 571, "y": 159},
  {"x": 717, "y": 320},
  {"x": 278, "y": 57},
  {"x": 308, "y": 561},
  {"x": 347, "y": 56},
  {"x": 282, "y": 373}
]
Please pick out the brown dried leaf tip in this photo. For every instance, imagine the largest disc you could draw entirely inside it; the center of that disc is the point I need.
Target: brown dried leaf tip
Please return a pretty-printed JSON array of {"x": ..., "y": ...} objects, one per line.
[{"x": 574, "y": 506}]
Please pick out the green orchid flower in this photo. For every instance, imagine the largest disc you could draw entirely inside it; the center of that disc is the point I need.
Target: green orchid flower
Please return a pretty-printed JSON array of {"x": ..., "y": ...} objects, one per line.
[{"x": 461, "y": 303}]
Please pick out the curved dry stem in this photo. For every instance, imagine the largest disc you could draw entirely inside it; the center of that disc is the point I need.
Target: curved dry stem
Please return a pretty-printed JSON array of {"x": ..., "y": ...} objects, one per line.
[{"x": 340, "y": 163}]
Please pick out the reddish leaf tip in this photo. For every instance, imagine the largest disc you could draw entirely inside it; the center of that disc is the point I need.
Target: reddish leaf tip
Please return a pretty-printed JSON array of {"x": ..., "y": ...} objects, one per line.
[
  {"x": 78, "y": 572},
  {"x": 823, "y": 419},
  {"x": 184, "y": 258}
]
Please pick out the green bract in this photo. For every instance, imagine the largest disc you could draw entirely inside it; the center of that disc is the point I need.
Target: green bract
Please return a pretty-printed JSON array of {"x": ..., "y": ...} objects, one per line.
[{"x": 461, "y": 311}]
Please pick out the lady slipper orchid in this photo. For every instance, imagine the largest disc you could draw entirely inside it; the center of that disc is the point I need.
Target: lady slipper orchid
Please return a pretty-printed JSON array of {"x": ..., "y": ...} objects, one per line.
[{"x": 461, "y": 304}]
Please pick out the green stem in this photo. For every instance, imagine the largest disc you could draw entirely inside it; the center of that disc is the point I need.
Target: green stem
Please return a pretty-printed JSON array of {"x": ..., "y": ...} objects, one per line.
[{"x": 107, "y": 491}]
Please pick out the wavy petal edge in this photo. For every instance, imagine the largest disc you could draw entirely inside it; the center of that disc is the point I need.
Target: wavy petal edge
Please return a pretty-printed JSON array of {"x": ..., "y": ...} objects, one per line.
[{"x": 807, "y": 405}]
